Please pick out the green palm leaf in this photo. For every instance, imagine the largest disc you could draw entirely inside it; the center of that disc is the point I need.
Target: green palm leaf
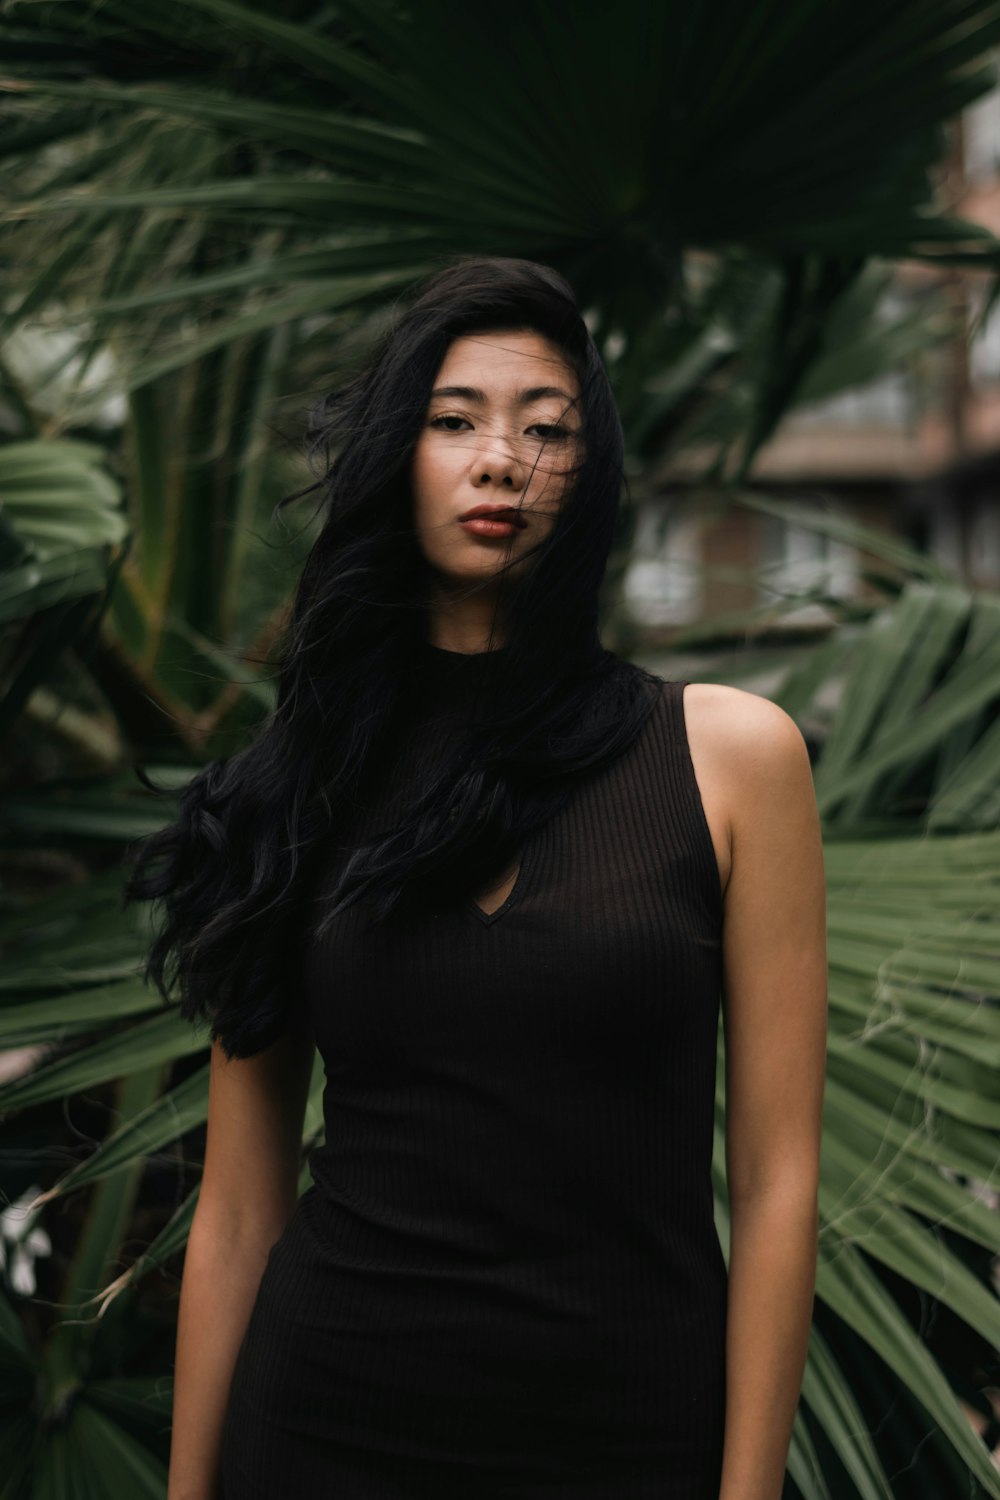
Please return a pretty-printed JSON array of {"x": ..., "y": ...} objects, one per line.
[
  {"x": 703, "y": 134},
  {"x": 59, "y": 513}
]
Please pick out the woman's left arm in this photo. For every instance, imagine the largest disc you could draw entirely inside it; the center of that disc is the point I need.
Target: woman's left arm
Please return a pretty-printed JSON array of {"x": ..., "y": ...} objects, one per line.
[{"x": 775, "y": 1022}]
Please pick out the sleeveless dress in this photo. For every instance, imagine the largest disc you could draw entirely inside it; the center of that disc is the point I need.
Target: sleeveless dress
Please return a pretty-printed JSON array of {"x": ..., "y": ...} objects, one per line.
[{"x": 505, "y": 1279}]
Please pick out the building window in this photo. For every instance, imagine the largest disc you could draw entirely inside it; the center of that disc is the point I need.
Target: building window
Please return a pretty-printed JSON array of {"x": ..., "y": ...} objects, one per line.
[
  {"x": 984, "y": 350},
  {"x": 981, "y": 138},
  {"x": 797, "y": 562},
  {"x": 984, "y": 545},
  {"x": 663, "y": 582},
  {"x": 945, "y": 541},
  {"x": 885, "y": 402}
]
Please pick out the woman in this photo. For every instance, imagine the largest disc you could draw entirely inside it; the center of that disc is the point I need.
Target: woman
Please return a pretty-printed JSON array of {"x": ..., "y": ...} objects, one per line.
[{"x": 502, "y": 880}]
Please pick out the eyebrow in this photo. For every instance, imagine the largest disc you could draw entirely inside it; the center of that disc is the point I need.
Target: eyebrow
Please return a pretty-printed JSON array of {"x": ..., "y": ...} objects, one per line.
[{"x": 533, "y": 393}]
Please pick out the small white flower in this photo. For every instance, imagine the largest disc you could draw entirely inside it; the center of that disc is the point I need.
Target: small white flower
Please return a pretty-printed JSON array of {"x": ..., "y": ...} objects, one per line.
[{"x": 21, "y": 1242}]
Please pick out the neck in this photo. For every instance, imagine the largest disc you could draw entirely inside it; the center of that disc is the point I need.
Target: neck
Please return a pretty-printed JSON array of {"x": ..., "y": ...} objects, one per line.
[{"x": 469, "y": 625}]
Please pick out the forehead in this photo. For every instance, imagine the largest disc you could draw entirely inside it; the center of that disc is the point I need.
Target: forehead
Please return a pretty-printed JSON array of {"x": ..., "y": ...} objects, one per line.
[{"x": 504, "y": 362}]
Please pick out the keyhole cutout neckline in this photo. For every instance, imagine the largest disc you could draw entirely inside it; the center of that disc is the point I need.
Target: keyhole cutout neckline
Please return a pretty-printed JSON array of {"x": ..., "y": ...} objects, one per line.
[{"x": 510, "y": 888}]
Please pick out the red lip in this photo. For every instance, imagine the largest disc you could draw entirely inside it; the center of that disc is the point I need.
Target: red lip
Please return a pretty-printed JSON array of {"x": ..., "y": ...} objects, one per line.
[{"x": 499, "y": 512}]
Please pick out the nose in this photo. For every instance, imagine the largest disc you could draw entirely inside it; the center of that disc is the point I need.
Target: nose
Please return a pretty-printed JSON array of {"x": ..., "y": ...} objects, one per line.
[
  {"x": 496, "y": 463},
  {"x": 486, "y": 478}
]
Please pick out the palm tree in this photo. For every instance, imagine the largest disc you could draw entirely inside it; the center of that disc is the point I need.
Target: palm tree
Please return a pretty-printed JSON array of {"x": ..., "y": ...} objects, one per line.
[{"x": 219, "y": 197}]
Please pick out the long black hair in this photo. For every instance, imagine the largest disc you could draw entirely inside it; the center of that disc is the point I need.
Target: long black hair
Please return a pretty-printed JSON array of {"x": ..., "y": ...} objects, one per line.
[{"x": 230, "y": 871}]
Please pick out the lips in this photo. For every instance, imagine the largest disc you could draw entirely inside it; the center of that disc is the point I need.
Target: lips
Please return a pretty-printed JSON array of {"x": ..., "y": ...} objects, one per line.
[{"x": 495, "y": 513}]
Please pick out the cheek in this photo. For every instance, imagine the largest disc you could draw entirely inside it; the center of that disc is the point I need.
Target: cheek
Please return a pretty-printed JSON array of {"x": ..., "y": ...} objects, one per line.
[
  {"x": 430, "y": 477},
  {"x": 557, "y": 480}
]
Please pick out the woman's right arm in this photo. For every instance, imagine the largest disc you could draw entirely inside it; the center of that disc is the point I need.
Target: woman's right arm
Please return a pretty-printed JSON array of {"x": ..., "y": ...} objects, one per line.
[{"x": 256, "y": 1112}]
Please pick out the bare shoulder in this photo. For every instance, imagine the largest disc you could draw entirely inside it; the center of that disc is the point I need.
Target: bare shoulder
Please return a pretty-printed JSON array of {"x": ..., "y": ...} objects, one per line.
[
  {"x": 743, "y": 725},
  {"x": 745, "y": 751}
]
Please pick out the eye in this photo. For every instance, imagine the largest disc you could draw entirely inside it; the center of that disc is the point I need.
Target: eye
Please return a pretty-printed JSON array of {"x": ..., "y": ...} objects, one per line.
[
  {"x": 438, "y": 422},
  {"x": 550, "y": 431}
]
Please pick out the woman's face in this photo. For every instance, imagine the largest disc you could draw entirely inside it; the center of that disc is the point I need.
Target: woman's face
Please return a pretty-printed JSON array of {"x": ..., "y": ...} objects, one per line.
[{"x": 502, "y": 429}]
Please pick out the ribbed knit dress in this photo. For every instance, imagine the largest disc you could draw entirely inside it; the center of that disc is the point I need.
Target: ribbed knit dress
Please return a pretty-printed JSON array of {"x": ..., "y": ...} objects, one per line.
[{"x": 505, "y": 1279}]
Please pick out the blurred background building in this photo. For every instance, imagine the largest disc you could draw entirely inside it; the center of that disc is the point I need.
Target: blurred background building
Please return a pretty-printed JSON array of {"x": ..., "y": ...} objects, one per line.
[{"x": 914, "y": 454}]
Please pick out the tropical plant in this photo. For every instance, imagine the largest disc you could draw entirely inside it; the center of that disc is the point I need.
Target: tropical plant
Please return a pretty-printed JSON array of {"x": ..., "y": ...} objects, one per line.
[
  {"x": 203, "y": 203},
  {"x": 60, "y": 523},
  {"x": 717, "y": 196}
]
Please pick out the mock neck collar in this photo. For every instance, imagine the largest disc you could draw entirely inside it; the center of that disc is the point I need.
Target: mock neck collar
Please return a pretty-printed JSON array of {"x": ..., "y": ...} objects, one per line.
[
  {"x": 442, "y": 651},
  {"x": 437, "y": 660},
  {"x": 451, "y": 678}
]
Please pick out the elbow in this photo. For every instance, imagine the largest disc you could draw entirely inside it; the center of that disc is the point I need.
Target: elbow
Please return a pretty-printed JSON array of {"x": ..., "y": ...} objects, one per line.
[{"x": 787, "y": 1193}]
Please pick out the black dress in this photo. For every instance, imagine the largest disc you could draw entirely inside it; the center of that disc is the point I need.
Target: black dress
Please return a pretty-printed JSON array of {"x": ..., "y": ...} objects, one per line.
[{"x": 505, "y": 1280}]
